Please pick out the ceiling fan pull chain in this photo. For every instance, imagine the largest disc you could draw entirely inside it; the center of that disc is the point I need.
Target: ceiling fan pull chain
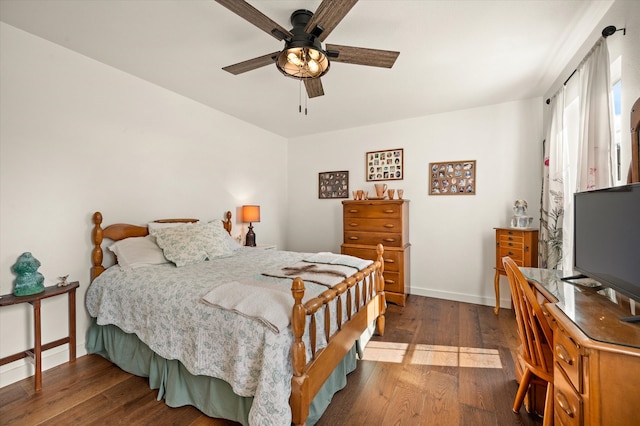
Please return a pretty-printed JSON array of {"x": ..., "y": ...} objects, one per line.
[
  {"x": 306, "y": 98},
  {"x": 300, "y": 96}
]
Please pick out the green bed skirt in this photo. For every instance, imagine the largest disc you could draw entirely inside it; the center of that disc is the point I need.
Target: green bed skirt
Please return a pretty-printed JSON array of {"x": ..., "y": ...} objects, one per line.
[{"x": 178, "y": 387}]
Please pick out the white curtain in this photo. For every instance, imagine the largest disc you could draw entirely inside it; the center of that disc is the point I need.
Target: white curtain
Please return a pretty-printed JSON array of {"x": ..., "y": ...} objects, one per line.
[
  {"x": 578, "y": 153},
  {"x": 552, "y": 213},
  {"x": 595, "y": 161}
]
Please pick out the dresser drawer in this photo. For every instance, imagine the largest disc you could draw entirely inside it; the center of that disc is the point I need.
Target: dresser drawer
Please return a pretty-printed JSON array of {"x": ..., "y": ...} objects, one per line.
[
  {"x": 567, "y": 357},
  {"x": 384, "y": 210},
  {"x": 516, "y": 255},
  {"x": 373, "y": 238},
  {"x": 393, "y": 282},
  {"x": 373, "y": 225},
  {"x": 510, "y": 242},
  {"x": 567, "y": 402},
  {"x": 510, "y": 233}
]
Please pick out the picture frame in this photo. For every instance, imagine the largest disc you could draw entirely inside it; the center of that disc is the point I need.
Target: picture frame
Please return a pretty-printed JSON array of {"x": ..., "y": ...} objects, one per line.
[
  {"x": 384, "y": 165},
  {"x": 333, "y": 184},
  {"x": 452, "y": 178}
]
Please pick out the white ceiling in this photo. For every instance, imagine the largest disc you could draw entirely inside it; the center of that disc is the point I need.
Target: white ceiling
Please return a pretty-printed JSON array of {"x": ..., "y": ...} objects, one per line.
[{"x": 453, "y": 54}]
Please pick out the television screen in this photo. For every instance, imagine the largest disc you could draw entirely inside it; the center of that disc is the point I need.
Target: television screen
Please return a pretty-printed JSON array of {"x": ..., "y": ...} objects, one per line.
[{"x": 607, "y": 237}]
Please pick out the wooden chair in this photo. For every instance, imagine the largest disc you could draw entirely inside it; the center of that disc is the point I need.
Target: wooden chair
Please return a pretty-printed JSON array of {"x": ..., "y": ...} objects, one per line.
[{"x": 536, "y": 337}]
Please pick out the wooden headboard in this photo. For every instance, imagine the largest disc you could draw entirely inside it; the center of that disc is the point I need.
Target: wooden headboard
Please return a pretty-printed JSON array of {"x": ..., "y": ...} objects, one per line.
[{"x": 120, "y": 231}]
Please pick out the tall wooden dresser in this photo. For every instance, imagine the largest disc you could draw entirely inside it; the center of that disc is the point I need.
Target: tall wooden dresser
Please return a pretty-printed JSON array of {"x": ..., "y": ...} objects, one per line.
[
  {"x": 520, "y": 244},
  {"x": 366, "y": 224}
]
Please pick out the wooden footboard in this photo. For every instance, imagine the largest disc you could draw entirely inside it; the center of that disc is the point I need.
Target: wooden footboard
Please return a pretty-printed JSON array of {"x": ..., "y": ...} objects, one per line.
[{"x": 365, "y": 306}]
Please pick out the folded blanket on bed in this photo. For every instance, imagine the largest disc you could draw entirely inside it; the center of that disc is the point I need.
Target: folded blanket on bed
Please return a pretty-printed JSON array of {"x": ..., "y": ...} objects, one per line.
[
  {"x": 339, "y": 259},
  {"x": 267, "y": 302},
  {"x": 324, "y": 274},
  {"x": 268, "y": 305}
]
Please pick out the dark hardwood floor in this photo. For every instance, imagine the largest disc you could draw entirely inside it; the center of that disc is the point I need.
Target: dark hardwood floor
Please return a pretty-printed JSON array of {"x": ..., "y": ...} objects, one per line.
[{"x": 439, "y": 363}]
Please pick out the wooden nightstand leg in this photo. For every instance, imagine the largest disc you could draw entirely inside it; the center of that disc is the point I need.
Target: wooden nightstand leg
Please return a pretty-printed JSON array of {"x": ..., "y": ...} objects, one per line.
[
  {"x": 72, "y": 325},
  {"x": 37, "y": 348},
  {"x": 496, "y": 286}
]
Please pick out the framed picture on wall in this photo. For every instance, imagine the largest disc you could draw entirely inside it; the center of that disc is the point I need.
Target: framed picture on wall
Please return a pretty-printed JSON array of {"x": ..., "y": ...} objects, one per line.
[
  {"x": 452, "y": 178},
  {"x": 333, "y": 184},
  {"x": 385, "y": 165}
]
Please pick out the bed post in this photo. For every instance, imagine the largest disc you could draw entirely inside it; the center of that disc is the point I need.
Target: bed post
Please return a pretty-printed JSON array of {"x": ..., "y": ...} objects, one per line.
[
  {"x": 379, "y": 280},
  {"x": 96, "y": 253},
  {"x": 299, "y": 399},
  {"x": 226, "y": 223}
]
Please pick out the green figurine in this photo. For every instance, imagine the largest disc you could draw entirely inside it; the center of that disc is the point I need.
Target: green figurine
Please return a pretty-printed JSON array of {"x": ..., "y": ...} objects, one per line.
[{"x": 29, "y": 280}]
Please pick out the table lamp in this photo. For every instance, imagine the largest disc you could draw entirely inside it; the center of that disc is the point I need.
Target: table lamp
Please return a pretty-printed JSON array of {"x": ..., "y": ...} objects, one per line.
[{"x": 250, "y": 214}]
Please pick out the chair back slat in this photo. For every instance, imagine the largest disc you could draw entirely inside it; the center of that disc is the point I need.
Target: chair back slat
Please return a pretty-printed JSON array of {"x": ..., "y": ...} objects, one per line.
[{"x": 533, "y": 327}]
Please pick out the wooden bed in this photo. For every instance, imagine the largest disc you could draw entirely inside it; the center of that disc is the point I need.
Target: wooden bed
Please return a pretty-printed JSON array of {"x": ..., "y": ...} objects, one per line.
[{"x": 364, "y": 299}]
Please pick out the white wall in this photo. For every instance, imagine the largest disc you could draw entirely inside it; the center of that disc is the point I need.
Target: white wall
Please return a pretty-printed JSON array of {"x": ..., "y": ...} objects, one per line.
[
  {"x": 77, "y": 136},
  {"x": 452, "y": 237}
]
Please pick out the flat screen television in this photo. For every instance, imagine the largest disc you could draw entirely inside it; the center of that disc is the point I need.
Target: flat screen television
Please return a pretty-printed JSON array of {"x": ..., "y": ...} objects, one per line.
[{"x": 607, "y": 237}]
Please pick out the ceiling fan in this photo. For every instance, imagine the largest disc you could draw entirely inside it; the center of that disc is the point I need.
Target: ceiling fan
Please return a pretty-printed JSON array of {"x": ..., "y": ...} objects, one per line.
[{"x": 303, "y": 56}]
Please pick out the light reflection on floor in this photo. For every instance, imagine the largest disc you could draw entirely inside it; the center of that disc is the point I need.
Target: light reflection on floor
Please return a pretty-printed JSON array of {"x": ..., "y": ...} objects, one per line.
[{"x": 448, "y": 356}]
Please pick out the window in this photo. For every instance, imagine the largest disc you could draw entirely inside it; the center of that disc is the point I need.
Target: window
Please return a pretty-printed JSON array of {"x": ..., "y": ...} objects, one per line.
[{"x": 616, "y": 97}]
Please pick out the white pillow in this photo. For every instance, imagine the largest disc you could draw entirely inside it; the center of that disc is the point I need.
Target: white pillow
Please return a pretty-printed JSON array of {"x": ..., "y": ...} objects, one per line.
[
  {"x": 192, "y": 243},
  {"x": 135, "y": 252}
]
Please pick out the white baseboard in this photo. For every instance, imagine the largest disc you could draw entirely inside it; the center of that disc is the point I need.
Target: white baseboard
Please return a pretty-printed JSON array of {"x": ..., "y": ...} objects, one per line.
[
  {"x": 505, "y": 303},
  {"x": 23, "y": 368}
]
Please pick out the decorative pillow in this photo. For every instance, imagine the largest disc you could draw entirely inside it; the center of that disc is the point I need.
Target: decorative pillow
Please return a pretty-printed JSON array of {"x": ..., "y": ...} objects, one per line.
[
  {"x": 232, "y": 244},
  {"x": 135, "y": 252},
  {"x": 192, "y": 243},
  {"x": 220, "y": 232},
  {"x": 160, "y": 225}
]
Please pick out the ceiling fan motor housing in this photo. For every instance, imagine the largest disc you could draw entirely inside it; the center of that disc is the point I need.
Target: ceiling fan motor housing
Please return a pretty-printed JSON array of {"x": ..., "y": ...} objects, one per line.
[{"x": 299, "y": 19}]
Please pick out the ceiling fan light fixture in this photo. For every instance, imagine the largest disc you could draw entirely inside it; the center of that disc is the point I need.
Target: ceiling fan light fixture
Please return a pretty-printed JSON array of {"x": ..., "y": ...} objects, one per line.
[{"x": 303, "y": 62}]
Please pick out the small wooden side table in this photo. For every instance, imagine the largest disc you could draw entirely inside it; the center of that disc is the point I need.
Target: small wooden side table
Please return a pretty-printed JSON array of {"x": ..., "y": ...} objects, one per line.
[
  {"x": 36, "y": 352},
  {"x": 521, "y": 245}
]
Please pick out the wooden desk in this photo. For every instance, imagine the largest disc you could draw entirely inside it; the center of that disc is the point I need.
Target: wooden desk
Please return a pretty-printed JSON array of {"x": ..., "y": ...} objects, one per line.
[
  {"x": 35, "y": 353},
  {"x": 596, "y": 356}
]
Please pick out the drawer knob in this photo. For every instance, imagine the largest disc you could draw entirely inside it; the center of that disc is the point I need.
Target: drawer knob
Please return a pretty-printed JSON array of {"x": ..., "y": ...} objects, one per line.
[
  {"x": 389, "y": 282},
  {"x": 353, "y": 211},
  {"x": 354, "y": 238},
  {"x": 389, "y": 211},
  {"x": 389, "y": 240},
  {"x": 563, "y": 403},
  {"x": 563, "y": 354},
  {"x": 510, "y": 244},
  {"x": 510, "y": 253},
  {"x": 389, "y": 225},
  {"x": 510, "y": 238},
  {"x": 389, "y": 261},
  {"x": 353, "y": 224}
]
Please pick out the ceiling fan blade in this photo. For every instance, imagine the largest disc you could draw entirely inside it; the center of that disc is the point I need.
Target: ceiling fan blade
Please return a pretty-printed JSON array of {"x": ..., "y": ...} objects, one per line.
[
  {"x": 328, "y": 16},
  {"x": 363, "y": 56},
  {"x": 314, "y": 87},
  {"x": 252, "y": 64},
  {"x": 257, "y": 18}
]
